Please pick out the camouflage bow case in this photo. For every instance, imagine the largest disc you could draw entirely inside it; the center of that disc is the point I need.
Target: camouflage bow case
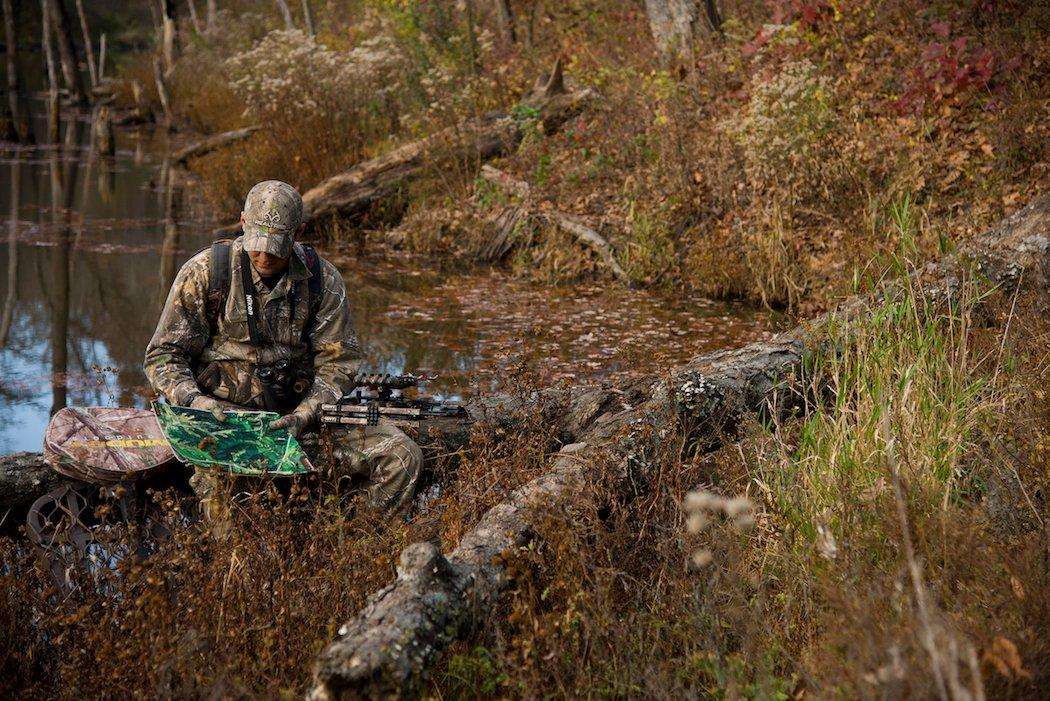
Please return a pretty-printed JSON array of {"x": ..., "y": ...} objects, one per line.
[{"x": 105, "y": 445}]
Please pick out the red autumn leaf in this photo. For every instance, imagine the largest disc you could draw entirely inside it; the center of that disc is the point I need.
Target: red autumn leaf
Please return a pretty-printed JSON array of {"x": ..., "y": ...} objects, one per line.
[
  {"x": 752, "y": 47},
  {"x": 809, "y": 15}
]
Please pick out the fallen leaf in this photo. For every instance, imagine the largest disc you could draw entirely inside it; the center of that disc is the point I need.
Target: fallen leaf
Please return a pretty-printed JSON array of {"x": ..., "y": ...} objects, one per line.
[
  {"x": 1003, "y": 655},
  {"x": 1015, "y": 584}
]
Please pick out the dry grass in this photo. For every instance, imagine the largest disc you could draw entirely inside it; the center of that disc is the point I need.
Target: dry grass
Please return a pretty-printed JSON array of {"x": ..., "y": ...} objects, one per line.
[
  {"x": 891, "y": 545},
  {"x": 243, "y": 617}
]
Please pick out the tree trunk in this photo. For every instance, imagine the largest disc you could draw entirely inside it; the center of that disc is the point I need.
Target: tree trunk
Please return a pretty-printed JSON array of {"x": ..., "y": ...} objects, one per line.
[
  {"x": 102, "y": 133},
  {"x": 193, "y": 17},
  {"x": 530, "y": 26},
  {"x": 286, "y": 13},
  {"x": 18, "y": 104},
  {"x": 102, "y": 57},
  {"x": 505, "y": 21},
  {"x": 308, "y": 18},
  {"x": 350, "y": 194},
  {"x": 211, "y": 12},
  {"x": 714, "y": 17},
  {"x": 66, "y": 53},
  {"x": 169, "y": 261},
  {"x": 12, "y": 254},
  {"x": 677, "y": 25},
  {"x": 472, "y": 38},
  {"x": 162, "y": 93},
  {"x": 388, "y": 648},
  {"x": 52, "y": 77},
  {"x": 168, "y": 34},
  {"x": 89, "y": 49},
  {"x": 61, "y": 210}
]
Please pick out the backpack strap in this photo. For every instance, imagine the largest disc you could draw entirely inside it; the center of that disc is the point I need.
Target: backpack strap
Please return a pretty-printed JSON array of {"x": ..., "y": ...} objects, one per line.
[
  {"x": 315, "y": 284},
  {"x": 218, "y": 282}
]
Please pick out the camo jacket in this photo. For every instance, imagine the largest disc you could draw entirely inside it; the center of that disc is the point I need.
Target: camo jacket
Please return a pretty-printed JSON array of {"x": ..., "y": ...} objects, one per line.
[{"x": 185, "y": 358}]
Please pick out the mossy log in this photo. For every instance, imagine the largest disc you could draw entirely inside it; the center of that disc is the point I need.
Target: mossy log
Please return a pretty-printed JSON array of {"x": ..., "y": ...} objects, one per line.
[
  {"x": 24, "y": 477},
  {"x": 388, "y": 648}
]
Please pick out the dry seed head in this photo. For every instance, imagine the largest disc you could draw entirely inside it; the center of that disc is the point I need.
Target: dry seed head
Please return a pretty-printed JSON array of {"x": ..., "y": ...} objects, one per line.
[
  {"x": 826, "y": 542},
  {"x": 744, "y": 523},
  {"x": 701, "y": 501},
  {"x": 701, "y": 559},
  {"x": 696, "y": 522},
  {"x": 737, "y": 506}
]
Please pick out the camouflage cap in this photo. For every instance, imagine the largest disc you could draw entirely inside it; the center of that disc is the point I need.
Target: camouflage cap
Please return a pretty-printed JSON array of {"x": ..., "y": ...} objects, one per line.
[{"x": 273, "y": 210}]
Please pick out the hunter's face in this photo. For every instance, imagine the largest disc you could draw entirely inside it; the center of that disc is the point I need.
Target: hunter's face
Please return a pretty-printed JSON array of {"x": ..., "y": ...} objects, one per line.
[{"x": 266, "y": 264}]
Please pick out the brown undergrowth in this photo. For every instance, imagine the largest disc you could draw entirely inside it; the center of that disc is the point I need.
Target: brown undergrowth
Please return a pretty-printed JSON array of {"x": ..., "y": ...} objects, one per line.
[
  {"x": 891, "y": 542},
  {"x": 244, "y": 616}
]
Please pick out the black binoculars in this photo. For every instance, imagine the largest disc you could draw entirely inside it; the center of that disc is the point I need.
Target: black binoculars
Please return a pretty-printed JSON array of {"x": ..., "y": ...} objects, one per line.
[{"x": 283, "y": 385}]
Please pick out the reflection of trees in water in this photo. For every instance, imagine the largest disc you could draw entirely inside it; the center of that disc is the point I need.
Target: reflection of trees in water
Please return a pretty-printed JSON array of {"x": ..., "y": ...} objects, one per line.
[
  {"x": 76, "y": 304},
  {"x": 12, "y": 256},
  {"x": 169, "y": 249},
  {"x": 62, "y": 186}
]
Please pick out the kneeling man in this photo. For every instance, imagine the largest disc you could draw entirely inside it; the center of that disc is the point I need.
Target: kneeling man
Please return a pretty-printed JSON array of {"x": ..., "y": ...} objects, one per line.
[{"x": 264, "y": 306}]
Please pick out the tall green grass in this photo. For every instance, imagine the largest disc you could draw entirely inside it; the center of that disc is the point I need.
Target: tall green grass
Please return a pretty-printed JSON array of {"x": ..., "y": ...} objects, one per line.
[
  {"x": 873, "y": 496},
  {"x": 900, "y": 387}
]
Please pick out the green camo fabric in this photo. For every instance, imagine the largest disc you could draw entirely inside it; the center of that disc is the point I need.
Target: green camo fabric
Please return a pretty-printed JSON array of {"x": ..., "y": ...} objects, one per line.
[{"x": 242, "y": 445}]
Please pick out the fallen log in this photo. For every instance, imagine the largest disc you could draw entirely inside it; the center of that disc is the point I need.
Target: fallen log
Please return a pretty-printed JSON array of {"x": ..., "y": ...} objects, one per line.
[
  {"x": 388, "y": 648},
  {"x": 568, "y": 223},
  {"x": 23, "y": 478},
  {"x": 212, "y": 143},
  {"x": 352, "y": 193}
]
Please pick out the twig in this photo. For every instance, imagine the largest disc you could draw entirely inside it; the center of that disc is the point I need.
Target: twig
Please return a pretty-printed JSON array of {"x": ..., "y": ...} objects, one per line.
[{"x": 928, "y": 638}]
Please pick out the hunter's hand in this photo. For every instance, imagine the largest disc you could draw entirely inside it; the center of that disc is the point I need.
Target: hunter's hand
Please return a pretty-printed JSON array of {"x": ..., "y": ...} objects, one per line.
[
  {"x": 294, "y": 422},
  {"x": 209, "y": 404}
]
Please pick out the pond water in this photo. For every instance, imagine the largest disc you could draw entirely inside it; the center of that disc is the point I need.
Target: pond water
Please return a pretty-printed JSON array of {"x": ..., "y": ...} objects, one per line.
[{"x": 90, "y": 247}]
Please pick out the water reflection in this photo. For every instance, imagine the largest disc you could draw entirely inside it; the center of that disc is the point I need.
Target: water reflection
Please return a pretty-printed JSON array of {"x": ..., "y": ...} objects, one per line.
[
  {"x": 94, "y": 243},
  {"x": 81, "y": 277}
]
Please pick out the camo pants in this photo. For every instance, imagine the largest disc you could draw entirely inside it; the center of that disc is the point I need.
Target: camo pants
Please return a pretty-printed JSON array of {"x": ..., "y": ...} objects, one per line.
[{"x": 383, "y": 455}]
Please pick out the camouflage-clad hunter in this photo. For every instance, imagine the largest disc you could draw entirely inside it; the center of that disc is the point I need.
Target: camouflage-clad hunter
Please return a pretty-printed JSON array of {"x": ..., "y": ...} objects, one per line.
[{"x": 210, "y": 363}]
